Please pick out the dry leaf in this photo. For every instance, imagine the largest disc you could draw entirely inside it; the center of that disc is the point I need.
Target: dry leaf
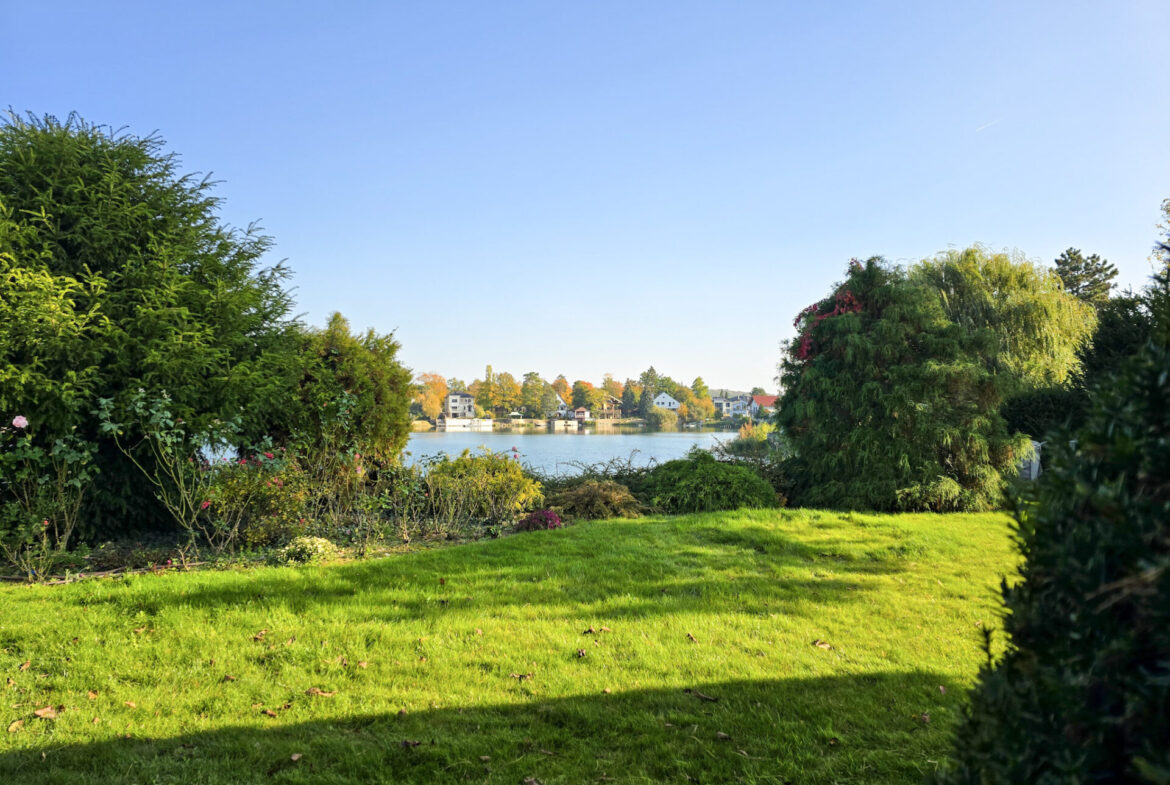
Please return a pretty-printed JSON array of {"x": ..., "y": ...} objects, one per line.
[
  {"x": 410, "y": 743},
  {"x": 228, "y": 677},
  {"x": 47, "y": 713},
  {"x": 942, "y": 689},
  {"x": 321, "y": 692},
  {"x": 833, "y": 742},
  {"x": 590, "y": 631},
  {"x": 91, "y": 695},
  {"x": 363, "y": 664},
  {"x": 296, "y": 756},
  {"x": 131, "y": 704},
  {"x": 260, "y": 635},
  {"x": 257, "y": 705},
  {"x": 97, "y": 720},
  {"x": 605, "y": 629},
  {"x": 820, "y": 644},
  {"x": 268, "y": 713},
  {"x": 343, "y": 662},
  {"x": 15, "y": 726},
  {"x": 485, "y": 758},
  {"x": 722, "y": 736},
  {"x": 606, "y": 691},
  {"x": 478, "y": 631},
  {"x": 692, "y": 638},
  {"x": 26, "y": 665},
  {"x": 140, "y": 630},
  {"x": 11, "y": 682},
  {"x": 580, "y": 653},
  {"x": 402, "y": 712},
  {"x": 442, "y": 581}
]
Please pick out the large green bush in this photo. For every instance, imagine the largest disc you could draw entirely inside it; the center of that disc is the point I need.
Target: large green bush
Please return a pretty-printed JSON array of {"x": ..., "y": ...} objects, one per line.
[
  {"x": 1083, "y": 693},
  {"x": 699, "y": 483},
  {"x": 119, "y": 275},
  {"x": 890, "y": 405}
]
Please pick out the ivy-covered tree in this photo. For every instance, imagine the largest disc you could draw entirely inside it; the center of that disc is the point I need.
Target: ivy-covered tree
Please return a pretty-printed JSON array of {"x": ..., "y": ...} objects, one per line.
[
  {"x": 1088, "y": 278},
  {"x": 1082, "y": 694},
  {"x": 1039, "y": 329},
  {"x": 889, "y": 404}
]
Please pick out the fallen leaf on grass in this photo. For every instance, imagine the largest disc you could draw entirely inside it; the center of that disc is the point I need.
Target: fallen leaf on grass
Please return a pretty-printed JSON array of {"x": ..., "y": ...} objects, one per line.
[
  {"x": 833, "y": 742},
  {"x": 520, "y": 676},
  {"x": 96, "y": 720},
  {"x": 692, "y": 638},
  {"x": 721, "y": 736},
  {"x": 26, "y": 665},
  {"x": 268, "y": 713},
  {"x": 700, "y": 695},
  {"x": 342, "y": 661},
  {"x": 410, "y": 743},
  {"x": 131, "y": 704},
  {"x": 291, "y": 641},
  {"x": 820, "y": 644},
  {"x": 15, "y": 726},
  {"x": 606, "y": 691},
  {"x": 485, "y": 758},
  {"x": 942, "y": 689},
  {"x": 47, "y": 713},
  {"x": 11, "y": 682},
  {"x": 296, "y": 756},
  {"x": 260, "y": 635},
  {"x": 91, "y": 695},
  {"x": 589, "y": 631},
  {"x": 402, "y": 712},
  {"x": 228, "y": 677},
  {"x": 478, "y": 631},
  {"x": 321, "y": 692},
  {"x": 139, "y": 630},
  {"x": 924, "y": 718},
  {"x": 580, "y": 653},
  {"x": 363, "y": 664},
  {"x": 531, "y": 781},
  {"x": 605, "y": 629}
]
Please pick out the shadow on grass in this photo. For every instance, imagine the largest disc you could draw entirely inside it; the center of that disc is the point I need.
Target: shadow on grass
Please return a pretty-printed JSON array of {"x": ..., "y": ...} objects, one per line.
[
  {"x": 881, "y": 728},
  {"x": 636, "y": 569}
]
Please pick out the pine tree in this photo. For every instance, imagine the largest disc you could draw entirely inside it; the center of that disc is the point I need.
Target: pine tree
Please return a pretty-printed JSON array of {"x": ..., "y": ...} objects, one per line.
[{"x": 1089, "y": 279}]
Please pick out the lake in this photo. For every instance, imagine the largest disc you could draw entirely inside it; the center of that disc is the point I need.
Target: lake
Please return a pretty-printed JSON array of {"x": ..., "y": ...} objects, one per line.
[{"x": 555, "y": 453}]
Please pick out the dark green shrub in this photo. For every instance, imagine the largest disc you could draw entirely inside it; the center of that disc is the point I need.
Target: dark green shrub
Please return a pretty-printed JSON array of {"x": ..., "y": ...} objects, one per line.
[
  {"x": 596, "y": 499},
  {"x": 699, "y": 483},
  {"x": 1083, "y": 693}
]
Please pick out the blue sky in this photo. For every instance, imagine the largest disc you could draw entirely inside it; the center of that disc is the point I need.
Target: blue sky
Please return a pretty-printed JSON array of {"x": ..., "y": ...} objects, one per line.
[{"x": 584, "y": 188}]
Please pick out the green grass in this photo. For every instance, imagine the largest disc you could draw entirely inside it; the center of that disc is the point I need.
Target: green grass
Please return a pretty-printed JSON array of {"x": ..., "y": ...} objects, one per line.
[{"x": 462, "y": 663}]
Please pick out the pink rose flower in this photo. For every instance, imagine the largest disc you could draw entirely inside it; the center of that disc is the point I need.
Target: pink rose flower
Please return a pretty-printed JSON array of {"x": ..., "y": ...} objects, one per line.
[{"x": 19, "y": 421}]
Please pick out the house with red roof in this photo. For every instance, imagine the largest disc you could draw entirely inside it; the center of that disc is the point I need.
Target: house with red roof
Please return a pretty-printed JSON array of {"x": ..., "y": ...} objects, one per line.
[{"x": 763, "y": 405}]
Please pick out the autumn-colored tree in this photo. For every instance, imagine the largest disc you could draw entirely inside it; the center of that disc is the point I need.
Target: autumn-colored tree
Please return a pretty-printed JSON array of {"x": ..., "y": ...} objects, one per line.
[
  {"x": 508, "y": 392},
  {"x": 580, "y": 393},
  {"x": 612, "y": 386},
  {"x": 561, "y": 387},
  {"x": 484, "y": 390},
  {"x": 432, "y": 391}
]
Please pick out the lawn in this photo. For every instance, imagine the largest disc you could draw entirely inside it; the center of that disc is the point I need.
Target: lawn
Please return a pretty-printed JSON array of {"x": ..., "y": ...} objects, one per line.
[{"x": 660, "y": 650}]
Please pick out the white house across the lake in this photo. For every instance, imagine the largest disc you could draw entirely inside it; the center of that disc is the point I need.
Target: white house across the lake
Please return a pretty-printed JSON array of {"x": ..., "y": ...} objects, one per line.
[{"x": 664, "y": 401}]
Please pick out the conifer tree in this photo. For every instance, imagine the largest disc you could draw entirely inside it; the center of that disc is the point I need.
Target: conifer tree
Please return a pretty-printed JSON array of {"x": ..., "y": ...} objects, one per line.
[
  {"x": 1087, "y": 278},
  {"x": 889, "y": 405}
]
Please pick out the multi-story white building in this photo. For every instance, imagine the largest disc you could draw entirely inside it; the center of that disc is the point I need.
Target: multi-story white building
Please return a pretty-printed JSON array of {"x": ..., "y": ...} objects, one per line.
[{"x": 459, "y": 405}]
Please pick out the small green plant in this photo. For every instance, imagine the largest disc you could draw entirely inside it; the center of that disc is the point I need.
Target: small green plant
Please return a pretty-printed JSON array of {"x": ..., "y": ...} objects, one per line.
[
  {"x": 596, "y": 499},
  {"x": 699, "y": 483},
  {"x": 486, "y": 490},
  {"x": 41, "y": 491},
  {"x": 167, "y": 452},
  {"x": 307, "y": 550}
]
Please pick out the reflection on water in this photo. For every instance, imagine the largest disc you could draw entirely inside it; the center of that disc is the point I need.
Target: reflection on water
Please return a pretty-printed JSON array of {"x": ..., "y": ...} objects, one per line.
[{"x": 558, "y": 453}]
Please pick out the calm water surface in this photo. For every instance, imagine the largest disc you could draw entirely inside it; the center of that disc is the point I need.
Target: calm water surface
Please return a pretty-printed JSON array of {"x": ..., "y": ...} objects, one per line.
[{"x": 555, "y": 453}]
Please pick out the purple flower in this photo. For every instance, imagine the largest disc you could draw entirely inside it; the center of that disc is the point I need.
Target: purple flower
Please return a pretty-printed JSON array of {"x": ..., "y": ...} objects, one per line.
[{"x": 19, "y": 421}]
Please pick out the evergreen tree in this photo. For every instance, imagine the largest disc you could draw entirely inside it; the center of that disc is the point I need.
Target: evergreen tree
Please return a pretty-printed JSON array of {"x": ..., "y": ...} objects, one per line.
[
  {"x": 1082, "y": 694},
  {"x": 629, "y": 399},
  {"x": 890, "y": 405},
  {"x": 1088, "y": 279}
]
